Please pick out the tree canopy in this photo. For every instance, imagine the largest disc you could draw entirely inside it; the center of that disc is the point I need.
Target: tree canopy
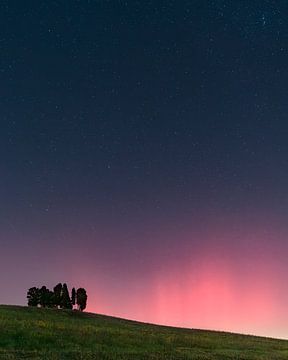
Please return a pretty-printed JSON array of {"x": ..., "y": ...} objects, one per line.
[
  {"x": 81, "y": 297},
  {"x": 58, "y": 298}
]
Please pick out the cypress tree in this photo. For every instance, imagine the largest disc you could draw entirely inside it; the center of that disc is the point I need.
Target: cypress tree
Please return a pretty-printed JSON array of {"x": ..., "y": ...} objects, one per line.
[
  {"x": 50, "y": 299},
  {"x": 33, "y": 296},
  {"x": 81, "y": 296},
  {"x": 66, "y": 301},
  {"x": 45, "y": 297},
  {"x": 58, "y": 295},
  {"x": 73, "y": 296}
]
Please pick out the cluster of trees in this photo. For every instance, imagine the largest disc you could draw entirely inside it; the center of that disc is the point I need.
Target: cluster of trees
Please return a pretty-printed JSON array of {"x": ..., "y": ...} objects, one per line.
[{"x": 58, "y": 298}]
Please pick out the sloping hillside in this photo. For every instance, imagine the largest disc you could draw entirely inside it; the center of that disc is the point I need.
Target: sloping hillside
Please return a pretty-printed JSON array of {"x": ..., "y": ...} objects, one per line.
[{"x": 30, "y": 333}]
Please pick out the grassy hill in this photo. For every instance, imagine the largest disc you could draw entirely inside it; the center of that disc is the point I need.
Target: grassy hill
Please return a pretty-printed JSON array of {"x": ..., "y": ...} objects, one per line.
[{"x": 31, "y": 333}]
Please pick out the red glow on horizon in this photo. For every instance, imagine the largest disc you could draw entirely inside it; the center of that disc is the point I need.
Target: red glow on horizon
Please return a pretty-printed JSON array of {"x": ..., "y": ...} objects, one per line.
[
  {"x": 219, "y": 288},
  {"x": 215, "y": 299}
]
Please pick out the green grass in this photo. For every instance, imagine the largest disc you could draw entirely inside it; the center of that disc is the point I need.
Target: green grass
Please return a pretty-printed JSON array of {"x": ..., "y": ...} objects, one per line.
[{"x": 31, "y": 333}]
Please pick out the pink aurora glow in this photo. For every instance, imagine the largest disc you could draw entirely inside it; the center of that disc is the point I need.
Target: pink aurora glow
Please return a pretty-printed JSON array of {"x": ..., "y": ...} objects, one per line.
[{"x": 212, "y": 285}]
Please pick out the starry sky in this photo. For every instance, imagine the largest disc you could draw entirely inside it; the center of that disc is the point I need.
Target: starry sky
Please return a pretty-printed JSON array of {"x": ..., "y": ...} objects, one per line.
[{"x": 144, "y": 156}]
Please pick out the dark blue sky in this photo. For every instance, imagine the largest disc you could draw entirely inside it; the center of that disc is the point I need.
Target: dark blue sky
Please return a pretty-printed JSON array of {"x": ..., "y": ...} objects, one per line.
[{"x": 136, "y": 118}]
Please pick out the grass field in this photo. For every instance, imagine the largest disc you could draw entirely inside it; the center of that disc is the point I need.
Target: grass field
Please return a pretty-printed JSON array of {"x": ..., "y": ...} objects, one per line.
[{"x": 31, "y": 333}]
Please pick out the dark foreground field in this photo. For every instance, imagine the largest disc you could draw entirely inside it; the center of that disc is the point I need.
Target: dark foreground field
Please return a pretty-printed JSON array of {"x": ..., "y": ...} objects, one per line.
[{"x": 29, "y": 333}]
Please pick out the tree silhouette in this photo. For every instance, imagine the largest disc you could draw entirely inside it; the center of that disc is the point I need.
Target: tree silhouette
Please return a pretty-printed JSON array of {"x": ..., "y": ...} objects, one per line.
[
  {"x": 81, "y": 296},
  {"x": 50, "y": 299},
  {"x": 42, "y": 297},
  {"x": 46, "y": 298},
  {"x": 73, "y": 296},
  {"x": 58, "y": 298},
  {"x": 65, "y": 301},
  {"x": 58, "y": 295},
  {"x": 33, "y": 296}
]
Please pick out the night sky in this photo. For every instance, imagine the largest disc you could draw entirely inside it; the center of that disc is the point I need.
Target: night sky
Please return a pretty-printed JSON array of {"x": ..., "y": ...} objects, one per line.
[{"x": 144, "y": 156}]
